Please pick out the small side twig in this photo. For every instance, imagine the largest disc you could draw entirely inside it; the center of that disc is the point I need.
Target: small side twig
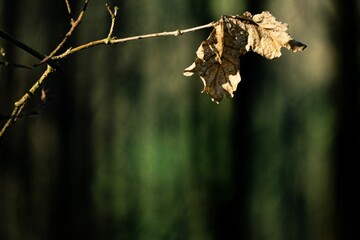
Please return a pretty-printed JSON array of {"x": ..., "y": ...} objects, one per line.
[
  {"x": 113, "y": 17},
  {"x": 69, "y": 11}
]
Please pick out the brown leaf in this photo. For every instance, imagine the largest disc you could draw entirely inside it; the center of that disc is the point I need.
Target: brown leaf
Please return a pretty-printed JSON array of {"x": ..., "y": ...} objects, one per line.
[
  {"x": 267, "y": 36},
  {"x": 218, "y": 57},
  {"x": 218, "y": 60}
]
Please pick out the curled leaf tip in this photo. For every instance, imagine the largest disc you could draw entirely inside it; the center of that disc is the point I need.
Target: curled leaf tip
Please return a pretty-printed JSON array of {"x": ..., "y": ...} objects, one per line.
[{"x": 297, "y": 46}]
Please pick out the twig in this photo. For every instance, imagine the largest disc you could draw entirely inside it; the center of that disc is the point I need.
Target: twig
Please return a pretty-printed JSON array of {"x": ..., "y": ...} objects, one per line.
[
  {"x": 74, "y": 25},
  {"x": 175, "y": 33},
  {"x": 19, "y": 105},
  {"x": 69, "y": 11},
  {"x": 52, "y": 59},
  {"x": 27, "y": 48},
  {"x": 122, "y": 40},
  {"x": 21, "y": 45},
  {"x": 113, "y": 16}
]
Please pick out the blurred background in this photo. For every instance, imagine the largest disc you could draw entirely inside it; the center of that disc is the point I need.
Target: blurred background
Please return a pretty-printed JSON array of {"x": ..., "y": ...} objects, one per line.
[{"x": 128, "y": 148}]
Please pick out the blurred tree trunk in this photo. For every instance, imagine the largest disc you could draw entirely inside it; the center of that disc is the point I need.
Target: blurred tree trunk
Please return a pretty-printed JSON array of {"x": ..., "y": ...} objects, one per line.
[
  {"x": 27, "y": 157},
  {"x": 346, "y": 94},
  {"x": 284, "y": 121}
]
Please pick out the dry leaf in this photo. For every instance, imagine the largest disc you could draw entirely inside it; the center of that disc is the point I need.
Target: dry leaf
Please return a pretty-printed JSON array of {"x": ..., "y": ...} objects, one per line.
[
  {"x": 266, "y": 35},
  {"x": 218, "y": 60},
  {"x": 218, "y": 57}
]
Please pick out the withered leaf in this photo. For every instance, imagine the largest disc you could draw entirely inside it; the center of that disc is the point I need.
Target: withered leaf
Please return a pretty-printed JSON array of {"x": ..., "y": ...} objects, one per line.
[
  {"x": 218, "y": 57},
  {"x": 267, "y": 36}
]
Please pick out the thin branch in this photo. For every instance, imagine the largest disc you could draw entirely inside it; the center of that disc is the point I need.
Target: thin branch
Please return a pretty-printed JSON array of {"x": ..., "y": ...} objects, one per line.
[
  {"x": 21, "y": 45},
  {"x": 27, "y": 48},
  {"x": 113, "y": 17},
  {"x": 114, "y": 41},
  {"x": 175, "y": 33},
  {"x": 20, "y": 104},
  {"x": 69, "y": 11},
  {"x": 52, "y": 65},
  {"x": 74, "y": 25}
]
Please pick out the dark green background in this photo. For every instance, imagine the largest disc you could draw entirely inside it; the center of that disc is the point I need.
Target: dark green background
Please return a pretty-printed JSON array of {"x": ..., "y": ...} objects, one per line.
[{"x": 128, "y": 148}]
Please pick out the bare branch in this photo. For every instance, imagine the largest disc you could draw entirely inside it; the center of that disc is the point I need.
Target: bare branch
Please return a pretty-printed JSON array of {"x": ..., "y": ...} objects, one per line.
[
  {"x": 74, "y": 25},
  {"x": 20, "y": 104},
  {"x": 114, "y": 41},
  {"x": 69, "y": 11},
  {"x": 27, "y": 48},
  {"x": 113, "y": 16},
  {"x": 52, "y": 59},
  {"x": 52, "y": 65},
  {"x": 21, "y": 45}
]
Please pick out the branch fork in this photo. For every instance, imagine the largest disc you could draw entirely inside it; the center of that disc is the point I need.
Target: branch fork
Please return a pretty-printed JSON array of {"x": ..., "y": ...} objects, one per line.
[{"x": 52, "y": 59}]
